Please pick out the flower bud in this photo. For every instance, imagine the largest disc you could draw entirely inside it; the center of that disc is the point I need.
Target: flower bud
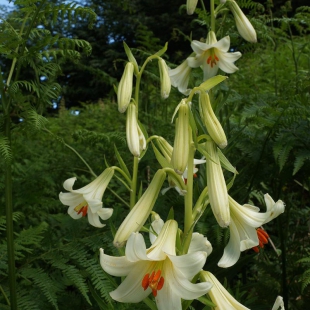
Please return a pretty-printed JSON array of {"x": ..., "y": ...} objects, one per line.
[
  {"x": 124, "y": 90},
  {"x": 217, "y": 189},
  {"x": 140, "y": 212},
  {"x": 191, "y": 6},
  {"x": 181, "y": 140},
  {"x": 165, "y": 148},
  {"x": 165, "y": 83},
  {"x": 135, "y": 138},
  {"x": 245, "y": 28},
  {"x": 211, "y": 122}
]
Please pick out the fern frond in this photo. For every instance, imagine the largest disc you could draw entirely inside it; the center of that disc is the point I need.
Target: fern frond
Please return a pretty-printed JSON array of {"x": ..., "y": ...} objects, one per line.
[
  {"x": 5, "y": 149},
  {"x": 36, "y": 120},
  {"x": 300, "y": 159}
]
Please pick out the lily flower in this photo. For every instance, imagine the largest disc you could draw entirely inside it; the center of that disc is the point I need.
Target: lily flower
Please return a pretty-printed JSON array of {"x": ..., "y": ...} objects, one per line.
[
  {"x": 157, "y": 270},
  {"x": 244, "y": 221},
  {"x": 213, "y": 55},
  {"x": 219, "y": 295},
  {"x": 87, "y": 200},
  {"x": 179, "y": 77}
]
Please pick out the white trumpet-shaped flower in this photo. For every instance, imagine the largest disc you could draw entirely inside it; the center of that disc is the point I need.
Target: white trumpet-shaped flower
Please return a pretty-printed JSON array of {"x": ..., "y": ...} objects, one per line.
[
  {"x": 157, "y": 270},
  {"x": 219, "y": 295},
  {"x": 87, "y": 200},
  {"x": 213, "y": 55},
  {"x": 244, "y": 221}
]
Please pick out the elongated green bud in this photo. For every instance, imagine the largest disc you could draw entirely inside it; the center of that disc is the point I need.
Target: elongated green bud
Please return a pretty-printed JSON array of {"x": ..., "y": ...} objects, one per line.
[
  {"x": 135, "y": 138},
  {"x": 165, "y": 148},
  {"x": 181, "y": 140},
  {"x": 191, "y": 6},
  {"x": 124, "y": 90},
  {"x": 140, "y": 212},
  {"x": 217, "y": 189},
  {"x": 244, "y": 26},
  {"x": 165, "y": 82},
  {"x": 211, "y": 122}
]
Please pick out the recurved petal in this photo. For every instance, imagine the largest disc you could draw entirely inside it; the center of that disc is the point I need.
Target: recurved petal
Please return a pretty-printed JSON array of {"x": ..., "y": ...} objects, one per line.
[
  {"x": 181, "y": 286},
  {"x": 71, "y": 199},
  {"x": 200, "y": 47},
  {"x": 105, "y": 213},
  {"x": 68, "y": 184},
  {"x": 157, "y": 225},
  {"x": 189, "y": 264},
  {"x": 232, "y": 249},
  {"x": 200, "y": 243},
  {"x": 93, "y": 219},
  {"x": 196, "y": 61},
  {"x": 136, "y": 248},
  {"x": 115, "y": 266},
  {"x": 209, "y": 71},
  {"x": 269, "y": 202},
  {"x": 131, "y": 289},
  {"x": 223, "y": 44}
]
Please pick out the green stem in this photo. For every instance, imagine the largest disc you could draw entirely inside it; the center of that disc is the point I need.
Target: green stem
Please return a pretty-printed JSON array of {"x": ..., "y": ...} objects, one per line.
[
  {"x": 133, "y": 192},
  {"x": 4, "y": 295},
  {"x": 9, "y": 220},
  {"x": 188, "y": 212},
  {"x": 150, "y": 303},
  {"x": 212, "y": 15}
]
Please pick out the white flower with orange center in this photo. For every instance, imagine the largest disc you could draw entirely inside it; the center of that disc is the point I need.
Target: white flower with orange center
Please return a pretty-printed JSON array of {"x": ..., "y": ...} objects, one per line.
[
  {"x": 156, "y": 270},
  {"x": 88, "y": 199},
  {"x": 243, "y": 223},
  {"x": 213, "y": 55}
]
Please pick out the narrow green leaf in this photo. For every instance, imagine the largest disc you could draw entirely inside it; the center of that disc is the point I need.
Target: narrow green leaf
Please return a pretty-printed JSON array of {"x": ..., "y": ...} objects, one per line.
[
  {"x": 163, "y": 50},
  {"x": 121, "y": 162},
  {"x": 131, "y": 58},
  {"x": 160, "y": 158},
  {"x": 210, "y": 83},
  {"x": 225, "y": 162}
]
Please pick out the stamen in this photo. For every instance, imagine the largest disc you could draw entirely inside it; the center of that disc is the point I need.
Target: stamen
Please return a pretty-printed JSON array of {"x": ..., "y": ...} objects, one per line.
[
  {"x": 154, "y": 281},
  {"x": 262, "y": 238},
  {"x": 212, "y": 59},
  {"x": 82, "y": 208}
]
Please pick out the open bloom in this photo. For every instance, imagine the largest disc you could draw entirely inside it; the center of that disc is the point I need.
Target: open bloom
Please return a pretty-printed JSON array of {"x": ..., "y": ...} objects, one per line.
[
  {"x": 157, "y": 270},
  {"x": 87, "y": 200},
  {"x": 219, "y": 295},
  {"x": 212, "y": 55},
  {"x": 179, "y": 77},
  {"x": 244, "y": 221}
]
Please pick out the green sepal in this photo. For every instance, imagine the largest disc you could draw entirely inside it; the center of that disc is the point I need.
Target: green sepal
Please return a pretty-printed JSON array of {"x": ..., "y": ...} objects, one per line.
[
  {"x": 121, "y": 162},
  {"x": 225, "y": 162},
  {"x": 170, "y": 215},
  {"x": 163, "y": 50},
  {"x": 131, "y": 58},
  {"x": 210, "y": 83}
]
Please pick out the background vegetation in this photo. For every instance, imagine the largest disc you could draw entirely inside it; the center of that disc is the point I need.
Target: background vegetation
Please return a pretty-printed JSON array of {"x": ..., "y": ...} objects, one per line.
[{"x": 265, "y": 109}]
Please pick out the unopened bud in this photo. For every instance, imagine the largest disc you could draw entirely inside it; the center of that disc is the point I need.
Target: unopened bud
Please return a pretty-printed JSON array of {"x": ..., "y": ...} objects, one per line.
[
  {"x": 140, "y": 212},
  {"x": 135, "y": 138},
  {"x": 181, "y": 140},
  {"x": 165, "y": 83},
  {"x": 217, "y": 189},
  {"x": 244, "y": 26},
  {"x": 211, "y": 122},
  {"x": 191, "y": 6},
  {"x": 124, "y": 90}
]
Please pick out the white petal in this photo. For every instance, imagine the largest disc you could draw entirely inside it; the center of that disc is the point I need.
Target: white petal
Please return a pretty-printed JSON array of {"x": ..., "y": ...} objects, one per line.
[
  {"x": 199, "y": 161},
  {"x": 68, "y": 184},
  {"x": 157, "y": 225},
  {"x": 209, "y": 71},
  {"x": 131, "y": 290},
  {"x": 200, "y": 47},
  {"x": 197, "y": 61},
  {"x": 190, "y": 264},
  {"x": 227, "y": 67},
  {"x": 277, "y": 209},
  {"x": 73, "y": 213},
  {"x": 115, "y": 266},
  {"x": 136, "y": 248},
  {"x": 93, "y": 219},
  {"x": 181, "y": 286},
  {"x": 269, "y": 202},
  {"x": 71, "y": 199},
  {"x": 105, "y": 213},
  {"x": 200, "y": 243},
  {"x": 180, "y": 76},
  {"x": 223, "y": 44},
  {"x": 167, "y": 299},
  {"x": 278, "y": 303},
  {"x": 232, "y": 249}
]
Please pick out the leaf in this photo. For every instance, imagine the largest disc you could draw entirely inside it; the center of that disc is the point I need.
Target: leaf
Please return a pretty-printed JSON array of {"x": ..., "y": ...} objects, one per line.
[
  {"x": 130, "y": 56},
  {"x": 163, "y": 50},
  {"x": 210, "y": 83},
  {"x": 121, "y": 162}
]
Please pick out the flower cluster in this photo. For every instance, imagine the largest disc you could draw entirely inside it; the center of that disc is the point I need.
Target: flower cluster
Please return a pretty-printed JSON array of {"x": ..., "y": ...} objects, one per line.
[{"x": 174, "y": 267}]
